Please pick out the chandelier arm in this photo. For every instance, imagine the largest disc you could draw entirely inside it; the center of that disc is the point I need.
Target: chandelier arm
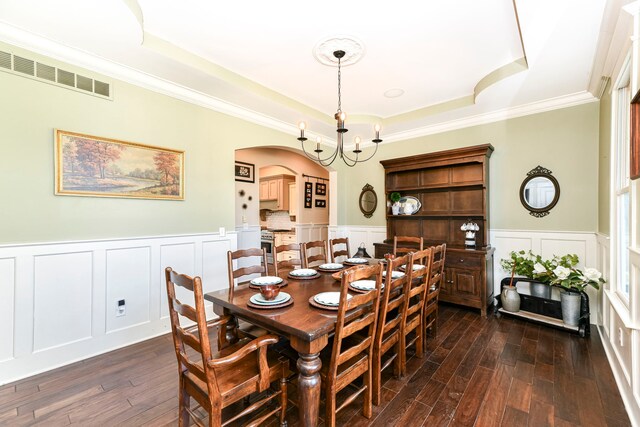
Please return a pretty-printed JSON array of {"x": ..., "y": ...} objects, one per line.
[
  {"x": 317, "y": 158},
  {"x": 368, "y": 158}
]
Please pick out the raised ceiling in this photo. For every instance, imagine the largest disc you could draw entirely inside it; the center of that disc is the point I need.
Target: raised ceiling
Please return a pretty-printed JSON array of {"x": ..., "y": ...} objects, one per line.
[{"x": 453, "y": 60}]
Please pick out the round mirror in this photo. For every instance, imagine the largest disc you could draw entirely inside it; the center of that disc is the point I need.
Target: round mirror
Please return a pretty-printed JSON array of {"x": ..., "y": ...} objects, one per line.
[
  {"x": 539, "y": 192},
  {"x": 368, "y": 201}
]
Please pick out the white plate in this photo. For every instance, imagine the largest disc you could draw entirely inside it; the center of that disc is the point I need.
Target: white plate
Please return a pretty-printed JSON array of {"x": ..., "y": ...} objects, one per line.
[
  {"x": 303, "y": 272},
  {"x": 415, "y": 267},
  {"x": 266, "y": 280},
  {"x": 331, "y": 266},
  {"x": 394, "y": 274},
  {"x": 411, "y": 202},
  {"x": 329, "y": 298},
  {"x": 357, "y": 260},
  {"x": 364, "y": 285},
  {"x": 281, "y": 298}
]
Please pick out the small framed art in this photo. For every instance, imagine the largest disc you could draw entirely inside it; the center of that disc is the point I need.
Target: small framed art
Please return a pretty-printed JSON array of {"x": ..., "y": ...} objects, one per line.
[
  {"x": 321, "y": 203},
  {"x": 308, "y": 197},
  {"x": 245, "y": 172},
  {"x": 321, "y": 189}
]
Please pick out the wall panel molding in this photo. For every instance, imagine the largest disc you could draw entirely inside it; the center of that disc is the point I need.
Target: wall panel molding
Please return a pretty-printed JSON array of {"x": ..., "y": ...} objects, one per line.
[{"x": 59, "y": 299}]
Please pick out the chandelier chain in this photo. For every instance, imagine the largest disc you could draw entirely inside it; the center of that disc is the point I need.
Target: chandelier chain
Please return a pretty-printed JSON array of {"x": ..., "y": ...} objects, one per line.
[{"x": 339, "y": 86}]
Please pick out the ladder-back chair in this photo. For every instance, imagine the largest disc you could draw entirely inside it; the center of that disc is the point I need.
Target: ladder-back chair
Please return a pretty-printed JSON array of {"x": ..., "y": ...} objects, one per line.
[
  {"x": 352, "y": 347},
  {"x": 217, "y": 380}
]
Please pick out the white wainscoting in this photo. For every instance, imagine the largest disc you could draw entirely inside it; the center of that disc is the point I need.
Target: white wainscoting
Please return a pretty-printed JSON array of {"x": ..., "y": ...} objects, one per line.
[
  {"x": 620, "y": 331},
  {"x": 59, "y": 300},
  {"x": 547, "y": 244},
  {"x": 311, "y": 232},
  {"x": 360, "y": 234}
]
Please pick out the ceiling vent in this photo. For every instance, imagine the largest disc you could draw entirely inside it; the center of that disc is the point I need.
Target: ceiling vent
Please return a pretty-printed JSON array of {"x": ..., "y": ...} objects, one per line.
[{"x": 46, "y": 73}]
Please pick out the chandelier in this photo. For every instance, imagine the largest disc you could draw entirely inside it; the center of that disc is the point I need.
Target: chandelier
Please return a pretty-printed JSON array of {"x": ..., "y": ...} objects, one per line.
[{"x": 340, "y": 117}]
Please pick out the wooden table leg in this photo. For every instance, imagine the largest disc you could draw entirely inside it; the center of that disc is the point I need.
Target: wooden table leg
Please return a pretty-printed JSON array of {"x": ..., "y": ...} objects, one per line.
[{"x": 309, "y": 385}]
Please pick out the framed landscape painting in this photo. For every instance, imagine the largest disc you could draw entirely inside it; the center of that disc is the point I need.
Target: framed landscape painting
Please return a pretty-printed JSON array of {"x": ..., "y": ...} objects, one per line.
[{"x": 89, "y": 165}]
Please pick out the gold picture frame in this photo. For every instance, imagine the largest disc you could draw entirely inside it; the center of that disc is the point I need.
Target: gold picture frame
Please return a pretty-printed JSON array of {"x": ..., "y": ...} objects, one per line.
[{"x": 88, "y": 165}]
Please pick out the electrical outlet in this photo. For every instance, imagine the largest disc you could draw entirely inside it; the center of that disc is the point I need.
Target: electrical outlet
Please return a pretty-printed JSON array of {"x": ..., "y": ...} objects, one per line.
[
  {"x": 121, "y": 308},
  {"x": 620, "y": 337}
]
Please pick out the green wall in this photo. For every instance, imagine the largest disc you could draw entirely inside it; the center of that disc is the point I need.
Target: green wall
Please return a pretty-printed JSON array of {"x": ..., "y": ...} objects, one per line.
[
  {"x": 564, "y": 141},
  {"x": 604, "y": 164},
  {"x": 32, "y": 109}
]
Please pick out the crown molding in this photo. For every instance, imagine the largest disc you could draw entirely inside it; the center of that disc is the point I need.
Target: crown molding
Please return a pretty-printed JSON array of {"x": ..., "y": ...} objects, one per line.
[
  {"x": 494, "y": 116},
  {"x": 43, "y": 46}
]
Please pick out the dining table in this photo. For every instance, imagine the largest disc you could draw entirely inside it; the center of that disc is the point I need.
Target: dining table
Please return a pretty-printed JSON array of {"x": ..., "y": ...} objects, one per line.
[{"x": 306, "y": 327}]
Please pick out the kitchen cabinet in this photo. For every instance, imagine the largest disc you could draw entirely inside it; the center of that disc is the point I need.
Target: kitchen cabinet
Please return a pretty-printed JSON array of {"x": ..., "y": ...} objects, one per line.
[
  {"x": 276, "y": 189},
  {"x": 285, "y": 238}
]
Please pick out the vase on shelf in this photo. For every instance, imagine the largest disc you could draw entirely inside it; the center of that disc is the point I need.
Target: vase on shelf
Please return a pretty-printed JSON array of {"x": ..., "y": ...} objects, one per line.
[
  {"x": 510, "y": 298},
  {"x": 395, "y": 209}
]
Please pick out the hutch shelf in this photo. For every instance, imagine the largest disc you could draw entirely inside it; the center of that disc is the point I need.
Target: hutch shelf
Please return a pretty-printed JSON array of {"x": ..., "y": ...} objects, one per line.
[{"x": 452, "y": 187}]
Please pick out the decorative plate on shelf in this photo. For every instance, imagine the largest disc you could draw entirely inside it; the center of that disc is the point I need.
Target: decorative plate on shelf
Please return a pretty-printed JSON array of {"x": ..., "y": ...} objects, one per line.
[{"x": 412, "y": 202}]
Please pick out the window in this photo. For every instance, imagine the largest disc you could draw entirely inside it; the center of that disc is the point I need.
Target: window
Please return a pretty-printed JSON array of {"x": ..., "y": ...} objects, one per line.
[{"x": 620, "y": 170}]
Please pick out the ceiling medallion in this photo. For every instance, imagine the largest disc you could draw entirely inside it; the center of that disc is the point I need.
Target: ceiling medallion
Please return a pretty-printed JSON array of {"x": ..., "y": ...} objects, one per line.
[
  {"x": 353, "y": 48},
  {"x": 340, "y": 118}
]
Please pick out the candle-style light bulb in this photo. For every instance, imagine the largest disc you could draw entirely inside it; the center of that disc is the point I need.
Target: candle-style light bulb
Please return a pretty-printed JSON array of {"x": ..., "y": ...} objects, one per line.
[
  {"x": 318, "y": 141},
  {"x": 376, "y": 128},
  {"x": 302, "y": 126},
  {"x": 357, "y": 141}
]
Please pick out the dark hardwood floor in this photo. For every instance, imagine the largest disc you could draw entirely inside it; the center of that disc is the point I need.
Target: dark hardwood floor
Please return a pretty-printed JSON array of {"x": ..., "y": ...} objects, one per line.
[{"x": 483, "y": 372}]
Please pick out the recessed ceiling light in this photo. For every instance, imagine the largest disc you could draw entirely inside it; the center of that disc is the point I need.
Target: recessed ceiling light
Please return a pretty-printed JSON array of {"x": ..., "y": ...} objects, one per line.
[{"x": 394, "y": 93}]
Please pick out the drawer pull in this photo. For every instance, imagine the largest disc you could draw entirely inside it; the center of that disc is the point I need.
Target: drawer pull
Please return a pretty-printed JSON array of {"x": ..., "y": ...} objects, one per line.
[{"x": 461, "y": 259}]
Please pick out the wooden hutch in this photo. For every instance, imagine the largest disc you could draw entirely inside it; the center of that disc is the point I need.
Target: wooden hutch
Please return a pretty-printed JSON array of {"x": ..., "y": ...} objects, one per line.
[{"x": 452, "y": 187}]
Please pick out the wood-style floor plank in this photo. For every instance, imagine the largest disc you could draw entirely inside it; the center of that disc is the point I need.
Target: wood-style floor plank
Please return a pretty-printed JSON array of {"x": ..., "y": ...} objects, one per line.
[{"x": 495, "y": 371}]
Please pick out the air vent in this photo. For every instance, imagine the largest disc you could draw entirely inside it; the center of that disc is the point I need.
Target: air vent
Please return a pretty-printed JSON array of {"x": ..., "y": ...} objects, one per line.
[
  {"x": 5, "y": 60},
  {"x": 46, "y": 72},
  {"x": 102, "y": 88},
  {"x": 66, "y": 78},
  {"x": 84, "y": 83},
  {"x": 25, "y": 67}
]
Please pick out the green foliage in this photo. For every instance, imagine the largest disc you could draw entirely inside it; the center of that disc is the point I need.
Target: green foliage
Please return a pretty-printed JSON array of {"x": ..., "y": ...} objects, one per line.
[
  {"x": 557, "y": 271},
  {"x": 395, "y": 197}
]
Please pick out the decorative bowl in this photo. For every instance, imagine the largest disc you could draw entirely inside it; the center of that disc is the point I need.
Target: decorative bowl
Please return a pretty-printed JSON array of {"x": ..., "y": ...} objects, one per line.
[{"x": 269, "y": 292}]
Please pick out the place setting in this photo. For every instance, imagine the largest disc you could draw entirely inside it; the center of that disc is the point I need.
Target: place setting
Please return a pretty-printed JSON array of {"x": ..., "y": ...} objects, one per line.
[
  {"x": 394, "y": 274},
  {"x": 363, "y": 286},
  {"x": 327, "y": 300},
  {"x": 416, "y": 267},
  {"x": 270, "y": 297},
  {"x": 356, "y": 261},
  {"x": 303, "y": 274},
  {"x": 259, "y": 282},
  {"x": 330, "y": 267}
]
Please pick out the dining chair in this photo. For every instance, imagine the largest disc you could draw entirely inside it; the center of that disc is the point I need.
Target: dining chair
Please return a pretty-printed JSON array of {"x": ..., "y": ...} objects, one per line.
[
  {"x": 387, "y": 336},
  {"x": 413, "y": 316},
  {"x": 350, "y": 354},
  {"x": 256, "y": 258},
  {"x": 405, "y": 244},
  {"x": 336, "y": 251},
  {"x": 216, "y": 380},
  {"x": 286, "y": 264},
  {"x": 314, "y": 253},
  {"x": 433, "y": 290}
]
